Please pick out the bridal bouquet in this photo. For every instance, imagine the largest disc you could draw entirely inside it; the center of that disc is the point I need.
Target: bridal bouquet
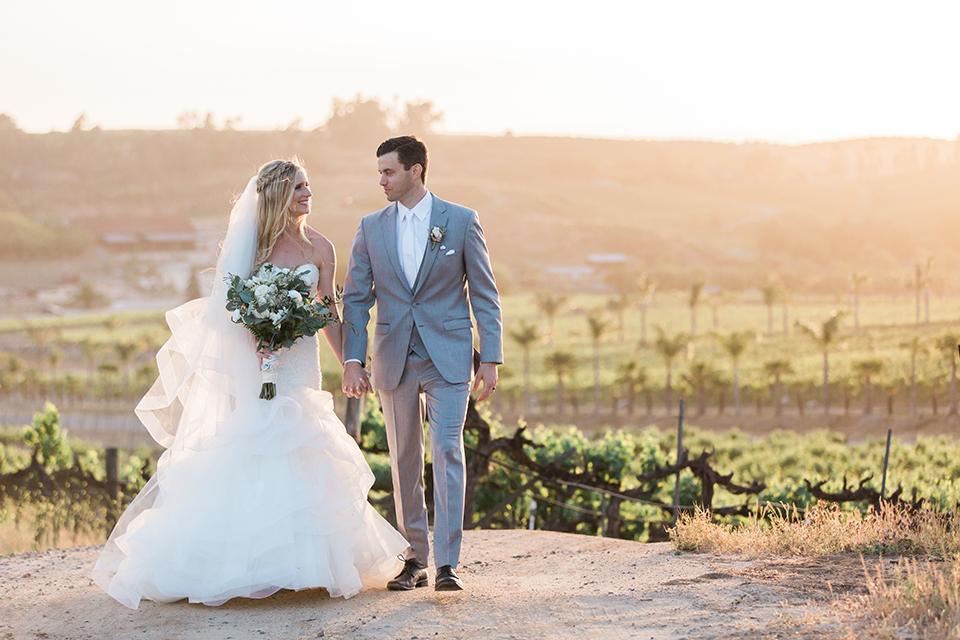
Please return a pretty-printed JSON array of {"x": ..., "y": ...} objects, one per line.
[{"x": 275, "y": 305}]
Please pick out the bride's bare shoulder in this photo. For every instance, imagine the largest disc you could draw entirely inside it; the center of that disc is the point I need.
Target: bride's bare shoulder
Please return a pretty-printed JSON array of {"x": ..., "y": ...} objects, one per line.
[{"x": 323, "y": 250}]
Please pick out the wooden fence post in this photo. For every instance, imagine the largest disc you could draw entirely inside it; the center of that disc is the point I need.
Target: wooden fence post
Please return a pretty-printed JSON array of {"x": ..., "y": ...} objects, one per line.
[
  {"x": 886, "y": 460},
  {"x": 113, "y": 483},
  {"x": 676, "y": 487}
]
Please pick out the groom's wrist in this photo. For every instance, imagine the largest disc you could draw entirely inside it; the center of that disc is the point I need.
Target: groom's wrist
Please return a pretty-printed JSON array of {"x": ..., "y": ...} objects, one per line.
[{"x": 346, "y": 362}]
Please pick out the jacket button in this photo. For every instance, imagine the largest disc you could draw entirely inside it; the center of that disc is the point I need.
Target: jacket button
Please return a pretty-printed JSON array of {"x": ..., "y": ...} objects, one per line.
[{"x": 407, "y": 327}]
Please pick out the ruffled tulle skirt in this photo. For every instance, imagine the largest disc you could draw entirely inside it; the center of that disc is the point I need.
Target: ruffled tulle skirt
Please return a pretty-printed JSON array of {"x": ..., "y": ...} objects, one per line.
[{"x": 275, "y": 499}]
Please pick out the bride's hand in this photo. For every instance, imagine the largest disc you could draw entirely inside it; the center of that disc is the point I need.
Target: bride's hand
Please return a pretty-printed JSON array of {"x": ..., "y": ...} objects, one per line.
[{"x": 264, "y": 352}]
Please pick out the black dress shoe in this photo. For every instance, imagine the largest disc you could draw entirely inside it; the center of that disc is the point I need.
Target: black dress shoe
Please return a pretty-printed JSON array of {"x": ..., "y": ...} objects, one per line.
[
  {"x": 447, "y": 580},
  {"x": 412, "y": 576}
]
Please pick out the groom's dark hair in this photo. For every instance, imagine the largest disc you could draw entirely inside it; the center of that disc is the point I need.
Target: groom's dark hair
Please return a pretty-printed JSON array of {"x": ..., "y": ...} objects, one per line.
[{"x": 410, "y": 151}]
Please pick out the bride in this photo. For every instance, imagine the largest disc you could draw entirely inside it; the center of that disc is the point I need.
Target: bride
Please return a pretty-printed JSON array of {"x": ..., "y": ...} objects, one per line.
[{"x": 251, "y": 496}]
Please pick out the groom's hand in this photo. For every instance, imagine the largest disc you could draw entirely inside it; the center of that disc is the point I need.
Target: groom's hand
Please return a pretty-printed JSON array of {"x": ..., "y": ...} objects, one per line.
[
  {"x": 356, "y": 382},
  {"x": 487, "y": 376}
]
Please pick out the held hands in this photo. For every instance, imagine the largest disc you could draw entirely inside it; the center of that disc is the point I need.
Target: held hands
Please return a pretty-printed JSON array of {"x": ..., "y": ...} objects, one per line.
[
  {"x": 356, "y": 380},
  {"x": 487, "y": 375}
]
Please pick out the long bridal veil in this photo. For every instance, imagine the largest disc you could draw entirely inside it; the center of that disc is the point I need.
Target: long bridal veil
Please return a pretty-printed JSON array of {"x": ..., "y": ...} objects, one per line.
[
  {"x": 208, "y": 370},
  {"x": 209, "y": 363}
]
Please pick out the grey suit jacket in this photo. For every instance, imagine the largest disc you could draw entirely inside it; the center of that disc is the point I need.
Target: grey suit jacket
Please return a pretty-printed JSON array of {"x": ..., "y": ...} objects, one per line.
[{"x": 454, "y": 276}]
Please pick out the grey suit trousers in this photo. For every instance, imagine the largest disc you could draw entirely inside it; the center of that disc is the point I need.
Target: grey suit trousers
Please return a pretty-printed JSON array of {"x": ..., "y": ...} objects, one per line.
[{"x": 403, "y": 413}]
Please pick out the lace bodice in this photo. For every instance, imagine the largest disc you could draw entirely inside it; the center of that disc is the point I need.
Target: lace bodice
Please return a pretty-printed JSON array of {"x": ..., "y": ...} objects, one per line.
[{"x": 299, "y": 366}]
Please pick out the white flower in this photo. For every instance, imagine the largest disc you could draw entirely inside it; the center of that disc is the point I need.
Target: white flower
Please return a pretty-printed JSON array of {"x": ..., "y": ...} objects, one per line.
[
  {"x": 261, "y": 292},
  {"x": 236, "y": 315},
  {"x": 436, "y": 235},
  {"x": 295, "y": 295}
]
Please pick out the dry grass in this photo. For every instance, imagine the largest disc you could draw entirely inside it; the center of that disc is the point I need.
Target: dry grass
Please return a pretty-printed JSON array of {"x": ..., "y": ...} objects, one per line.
[
  {"x": 919, "y": 596},
  {"x": 823, "y": 530},
  {"x": 29, "y": 527}
]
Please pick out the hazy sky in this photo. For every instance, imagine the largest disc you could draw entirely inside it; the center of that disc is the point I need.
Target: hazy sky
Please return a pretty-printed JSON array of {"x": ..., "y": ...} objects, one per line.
[{"x": 767, "y": 70}]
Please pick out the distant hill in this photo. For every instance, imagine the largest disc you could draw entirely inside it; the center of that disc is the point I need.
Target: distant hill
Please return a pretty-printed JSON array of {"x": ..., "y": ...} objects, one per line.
[{"x": 726, "y": 213}]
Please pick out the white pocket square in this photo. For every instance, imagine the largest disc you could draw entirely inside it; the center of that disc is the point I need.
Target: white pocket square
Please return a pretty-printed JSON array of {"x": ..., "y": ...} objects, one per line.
[{"x": 451, "y": 252}]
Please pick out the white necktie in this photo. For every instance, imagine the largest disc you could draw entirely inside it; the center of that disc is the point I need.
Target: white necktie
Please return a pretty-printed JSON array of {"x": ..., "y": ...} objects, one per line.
[{"x": 409, "y": 258}]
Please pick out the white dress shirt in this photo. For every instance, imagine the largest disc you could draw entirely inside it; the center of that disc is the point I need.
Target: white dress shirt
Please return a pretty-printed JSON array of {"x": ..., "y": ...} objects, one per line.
[{"x": 416, "y": 221}]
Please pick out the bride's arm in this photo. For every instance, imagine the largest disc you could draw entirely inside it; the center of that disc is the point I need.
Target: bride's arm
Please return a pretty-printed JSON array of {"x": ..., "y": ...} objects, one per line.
[{"x": 325, "y": 288}]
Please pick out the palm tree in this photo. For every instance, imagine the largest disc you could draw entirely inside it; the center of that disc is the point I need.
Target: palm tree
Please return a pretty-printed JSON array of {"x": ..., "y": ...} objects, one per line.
[
  {"x": 824, "y": 335},
  {"x": 669, "y": 348},
  {"x": 866, "y": 370},
  {"x": 735, "y": 344},
  {"x": 561, "y": 363},
  {"x": 857, "y": 279},
  {"x": 777, "y": 369},
  {"x": 597, "y": 325},
  {"x": 526, "y": 335},
  {"x": 771, "y": 294},
  {"x": 948, "y": 343},
  {"x": 699, "y": 376},
  {"x": 619, "y": 306},
  {"x": 550, "y": 306},
  {"x": 693, "y": 302},
  {"x": 715, "y": 301},
  {"x": 921, "y": 278},
  {"x": 90, "y": 350},
  {"x": 125, "y": 352},
  {"x": 634, "y": 377},
  {"x": 646, "y": 286},
  {"x": 54, "y": 358},
  {"x": 916, "y": 345}
]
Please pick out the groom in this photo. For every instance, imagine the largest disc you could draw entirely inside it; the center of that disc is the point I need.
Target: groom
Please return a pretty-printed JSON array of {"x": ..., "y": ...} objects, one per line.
[{"x": 424, "y": 262}]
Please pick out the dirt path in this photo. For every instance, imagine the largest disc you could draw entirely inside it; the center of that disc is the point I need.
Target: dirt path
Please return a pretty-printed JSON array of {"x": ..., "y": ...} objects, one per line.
[{"x": 520, "y": 584}]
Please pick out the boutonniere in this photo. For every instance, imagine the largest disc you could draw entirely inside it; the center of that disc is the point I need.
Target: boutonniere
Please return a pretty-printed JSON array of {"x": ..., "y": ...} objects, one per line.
[{"x": 436, "y": 236}]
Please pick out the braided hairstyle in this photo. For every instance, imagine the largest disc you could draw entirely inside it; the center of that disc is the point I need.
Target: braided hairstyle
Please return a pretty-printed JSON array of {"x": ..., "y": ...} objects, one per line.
[{"x": 276, "y": 182}]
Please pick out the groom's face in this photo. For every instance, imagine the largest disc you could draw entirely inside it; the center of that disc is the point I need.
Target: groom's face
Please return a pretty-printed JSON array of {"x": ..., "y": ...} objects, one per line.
[{"x": 396, "y": 181}]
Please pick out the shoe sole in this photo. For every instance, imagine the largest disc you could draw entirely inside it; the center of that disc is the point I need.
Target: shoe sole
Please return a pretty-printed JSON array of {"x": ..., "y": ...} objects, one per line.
[
  {"x": 398, "y": 587},
  {"x": 448, "y": 586}
]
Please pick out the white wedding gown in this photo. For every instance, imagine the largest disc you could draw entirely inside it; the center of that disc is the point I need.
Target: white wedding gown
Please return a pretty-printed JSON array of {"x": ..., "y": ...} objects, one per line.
[{"x": 274, "y": 497}]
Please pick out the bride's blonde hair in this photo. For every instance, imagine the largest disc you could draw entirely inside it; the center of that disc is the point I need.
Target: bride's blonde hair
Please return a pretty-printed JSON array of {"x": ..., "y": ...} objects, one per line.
[{"x": 276, "y": 182}]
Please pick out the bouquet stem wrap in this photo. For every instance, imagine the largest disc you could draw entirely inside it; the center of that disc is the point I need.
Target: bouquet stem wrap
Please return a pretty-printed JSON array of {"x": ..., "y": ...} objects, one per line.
[{"x": 268, "y": 372}]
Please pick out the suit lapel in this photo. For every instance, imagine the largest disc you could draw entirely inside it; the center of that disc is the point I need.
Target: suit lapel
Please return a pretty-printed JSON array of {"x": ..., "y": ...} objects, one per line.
[
  {"x": 438, "y": 218},
  {"x": 389, "y": 233}
]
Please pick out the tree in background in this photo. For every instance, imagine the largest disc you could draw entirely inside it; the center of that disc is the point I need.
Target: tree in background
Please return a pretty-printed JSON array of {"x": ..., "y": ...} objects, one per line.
[
  {"x": 777, "y": 369},
  {"x": 948, "y": 345},
  {"x": 633, "y": 378},
  {"x": 856, "y": 280},
  {"x": 771, "y": 294},
  {"x": 550, "y": 305},
  {"x": 693, "y": 301},
  {"x": 866, "y": 371},
  {"x": 916, "y": 346},
  {"x": 669, "y": 347},
  {"x": 88, "y": 297},
  {"x": 619, "y": 306},
  {"x": 824, "y": 335},
  {"x": 597, "y": 326},
  {"x": 526, "y": 335},
  {"x": 420, "y": 118},
  {"x": 700, "y": 375},
  {"x": 646, "y": 286},
  {"x": 561, "y": 363},
  {"x": 735, "y": 344},
  {"x": 919, "y": 284},
  {"x": 361, "y": 120},
  {"x": 126, "y": 352}
]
